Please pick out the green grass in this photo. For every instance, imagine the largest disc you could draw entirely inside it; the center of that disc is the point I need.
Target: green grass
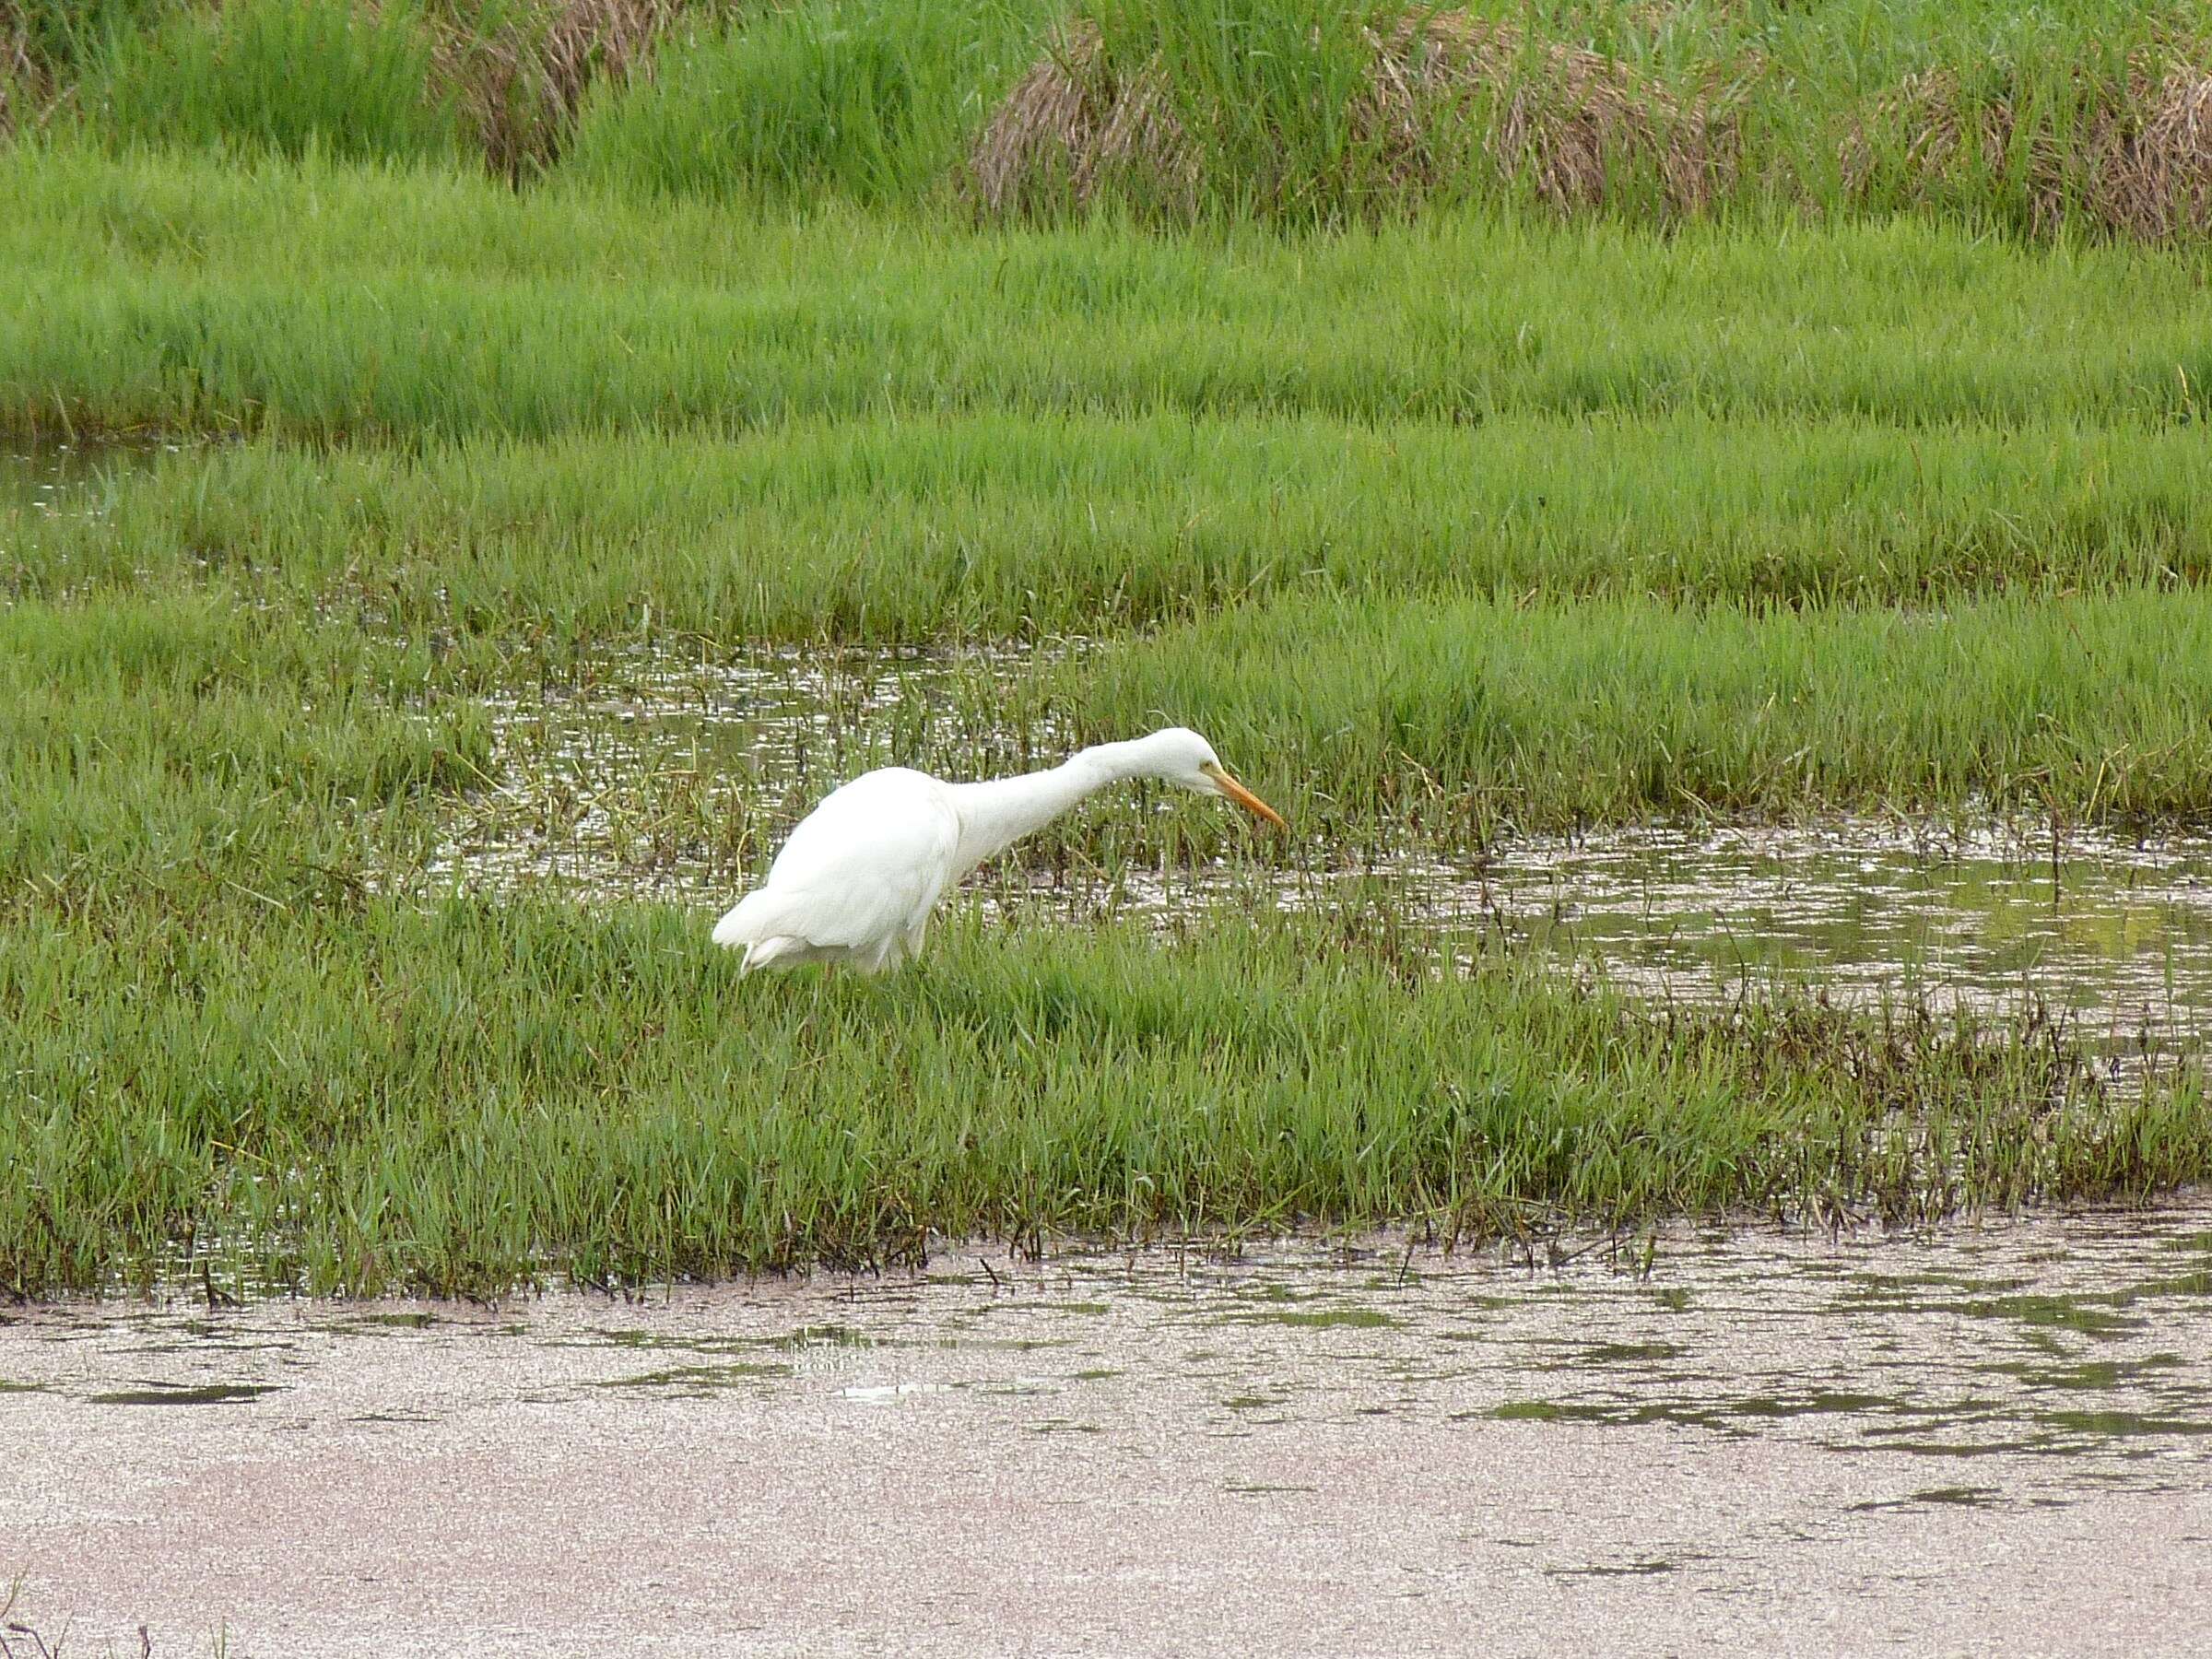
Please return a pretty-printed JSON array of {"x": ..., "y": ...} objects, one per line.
[
  {"x": 879, "y": 100},
  {"x": 870, "y": 100},
  {"x": 878, "y": 531},
  {"x": 1545, "y": 714},
  {"x": 65, "y": 34},
  {"x": 245, "y": 1027},
  {"x": 374, "y": 1096},
  {"x": 1441, "y": 530},
  {"x": 283, "y": 76},
  {"x": 325, "y": 301},
  {"x": 1264, "y": 90},
  {"x": 1799, "y": 104}
]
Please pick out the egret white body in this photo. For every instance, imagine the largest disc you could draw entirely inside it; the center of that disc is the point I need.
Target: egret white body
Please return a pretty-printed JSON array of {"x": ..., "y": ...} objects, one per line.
[{"x": 857, "y": 879}]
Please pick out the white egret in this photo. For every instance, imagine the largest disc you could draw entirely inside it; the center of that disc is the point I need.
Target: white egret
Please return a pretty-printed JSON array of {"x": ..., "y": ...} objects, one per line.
[{"x": 857, "y": 879}]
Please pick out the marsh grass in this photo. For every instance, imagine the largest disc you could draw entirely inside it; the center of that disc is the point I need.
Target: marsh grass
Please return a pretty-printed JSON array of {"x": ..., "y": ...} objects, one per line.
[
  {"x": 285, "y": 76},
  {"x": 2042, "y": 122},
  {"x": 802, "y": 99},
  {"x": 466, "y": 1097},
  {"x": 867, "y": 98},
  {"x": 1264, "y": 91},
  {"x": 889, "y": 531},
  {"x": 2047, "y": 122},
  {"x": 248, "y": 1025},
  {"x": 522, "y": 69},
  {"x": 1545, "y": 714},
  {"x": 1462, "y": 526},
  {"x": 1331, "y": 113},
  {"x": 325, "y": 301}
]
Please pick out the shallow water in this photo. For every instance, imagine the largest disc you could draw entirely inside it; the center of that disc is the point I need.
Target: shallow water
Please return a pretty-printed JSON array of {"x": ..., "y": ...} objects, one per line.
[
  {"x": 606, "y": 785},
  {"x": 1983, "y": 1439},
  {"x": 614, "y": 789},
  {"x": 67, "y": 476}
]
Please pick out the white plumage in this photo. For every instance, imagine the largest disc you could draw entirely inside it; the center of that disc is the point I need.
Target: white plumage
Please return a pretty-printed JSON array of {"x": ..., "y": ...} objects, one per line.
[
  {"x": 859, "y": 876},
  {"x": 857, "y": 879}
]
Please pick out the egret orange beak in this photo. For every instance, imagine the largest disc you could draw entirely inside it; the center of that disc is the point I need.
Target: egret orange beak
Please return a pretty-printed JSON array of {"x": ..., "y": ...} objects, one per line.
[{"x": 1244, "y": 797}]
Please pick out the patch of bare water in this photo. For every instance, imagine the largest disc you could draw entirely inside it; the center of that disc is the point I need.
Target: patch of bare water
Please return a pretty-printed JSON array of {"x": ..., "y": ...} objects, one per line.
[
  {"x": 1982, "y": 1440},
  {"x": 674, "y": 780},
  {"x": 52, "y": 477},
  {"x": 2115, "y": 931}
]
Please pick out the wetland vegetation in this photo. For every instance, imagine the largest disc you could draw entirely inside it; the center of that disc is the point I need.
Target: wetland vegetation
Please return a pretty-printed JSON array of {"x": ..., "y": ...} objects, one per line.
[{"x": 1453, "y": 505}]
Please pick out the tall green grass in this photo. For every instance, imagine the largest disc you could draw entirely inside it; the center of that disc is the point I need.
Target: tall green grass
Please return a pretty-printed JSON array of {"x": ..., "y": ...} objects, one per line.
[
  {"x": 868, "y": 99},
  {"x": 1321, "y": 109},
  {"x": 886, "y": 531},
  {"x": 61, "y": 36},
  {"x": 1497, "y": 713},
  {"x": 327, "y": 301},
  {"x": 283, "y": 76},
  {"x": 371, "y": 1096},
  {"x": 1264, "y": 89},
  {"x": 2002, "y": 116},
  {"x": 803, "y": 100},
  {"x": 1815, "y": 93}
]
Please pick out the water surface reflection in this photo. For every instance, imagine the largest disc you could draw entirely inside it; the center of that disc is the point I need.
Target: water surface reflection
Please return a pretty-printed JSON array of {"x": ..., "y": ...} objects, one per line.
[{"x": 1964, "y": 1434}]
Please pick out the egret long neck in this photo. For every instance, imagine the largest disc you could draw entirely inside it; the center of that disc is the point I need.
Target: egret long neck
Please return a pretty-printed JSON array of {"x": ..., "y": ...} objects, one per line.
[{"x": 996, "y": 814}]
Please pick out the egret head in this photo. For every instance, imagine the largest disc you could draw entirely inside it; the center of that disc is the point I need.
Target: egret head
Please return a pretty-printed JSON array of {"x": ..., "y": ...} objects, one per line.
[{"x": 1181, "y": 757}]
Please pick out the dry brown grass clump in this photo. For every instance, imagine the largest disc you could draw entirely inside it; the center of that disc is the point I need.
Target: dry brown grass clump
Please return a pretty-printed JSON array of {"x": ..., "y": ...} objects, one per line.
[
  {"x": 2135, "y": 160},
  {"x": 26, "y": 88},
  {"x": 1444, "y": 92},
  {"x": 1071, "y": 129},
  {"x": 1569, "y": 123},
  {"x": 523, "y": 84},
  {"x": 2160, "y": 183}
]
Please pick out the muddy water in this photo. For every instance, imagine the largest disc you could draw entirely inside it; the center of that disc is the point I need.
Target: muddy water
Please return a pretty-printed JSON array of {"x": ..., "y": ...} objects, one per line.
[
  {"x": 616, "y": 788},
  {"x": 1987, "y": 1440}
]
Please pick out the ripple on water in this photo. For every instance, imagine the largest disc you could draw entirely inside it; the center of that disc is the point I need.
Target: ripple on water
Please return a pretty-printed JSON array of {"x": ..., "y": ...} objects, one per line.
[{"x": 1748, "y": 1408}]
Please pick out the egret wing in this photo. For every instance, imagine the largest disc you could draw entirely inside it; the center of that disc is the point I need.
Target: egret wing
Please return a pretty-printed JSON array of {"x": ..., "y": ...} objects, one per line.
[{"x": 865, "y": 866}]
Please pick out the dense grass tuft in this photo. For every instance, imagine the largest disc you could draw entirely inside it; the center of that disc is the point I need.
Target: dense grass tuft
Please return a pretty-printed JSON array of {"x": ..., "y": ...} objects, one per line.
[
  {"x": 802, "y": 99},
  {"x": 284, "y": 75},
  {"x": 379, "y": 1096},
  {"x": 870, "y": 100}
]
